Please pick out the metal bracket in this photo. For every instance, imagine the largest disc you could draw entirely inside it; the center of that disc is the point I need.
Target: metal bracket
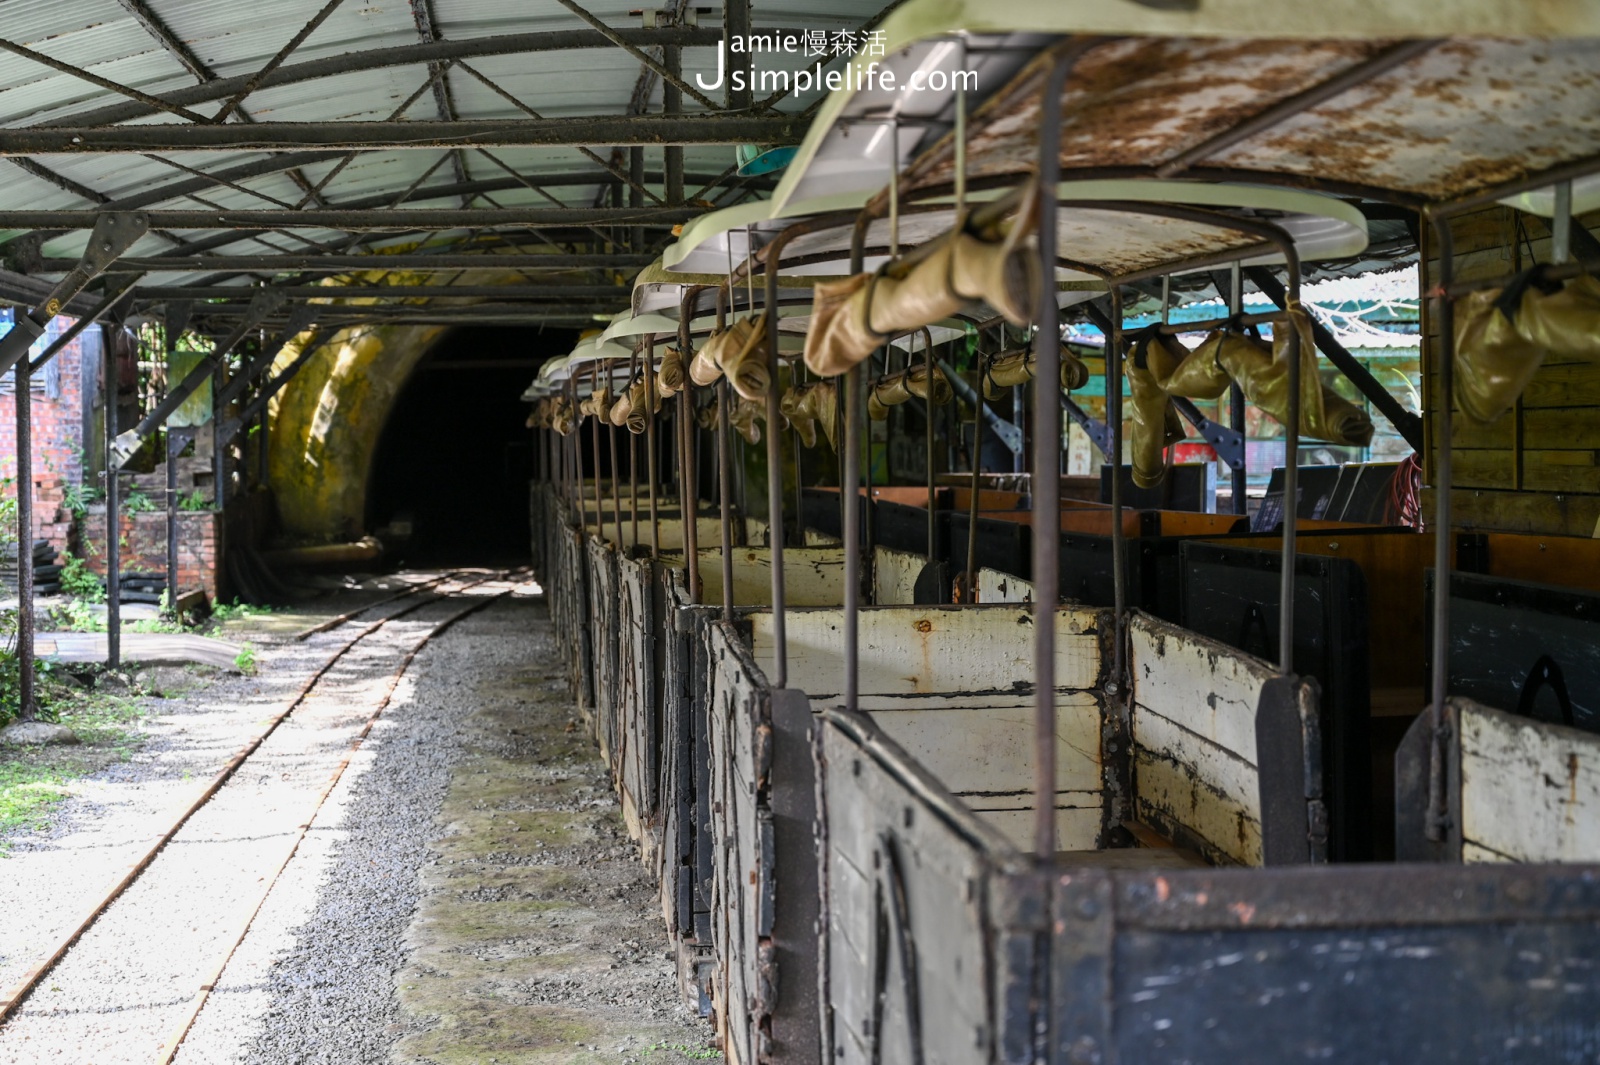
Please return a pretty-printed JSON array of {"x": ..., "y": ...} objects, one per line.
[
  {"x": 123, "y": 447},
  {"x": 1097, "y": 431},
  {"x": 1008, "y": 433},
  {"x": 1228, "y": 443},
  {"x": 114, "y": 233},
  {"x": 301, "y": 318}
]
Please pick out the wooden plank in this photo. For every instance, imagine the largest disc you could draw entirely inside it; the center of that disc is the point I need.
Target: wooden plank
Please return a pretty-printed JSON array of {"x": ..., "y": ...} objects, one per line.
[
  {"x": 997, "y": 587},
  {"x": 1564, "y": 560},
  {"x": 1203, "y": 686},
  {"x": 1549, "y": 513},
  {"x": 894, "y": 576},
  {"x": 1480, "y": 468},
  {"x": 1561, "y": 427},
  {"x": 1564, "y": 386},
  {"x": 1529, "y": 791},
  {"x": 812, "y": 576},
  {"x": 1186, "y": 779},
  {"x": 1077, "y": 827},
  {"x": 932, "y": 649},
  {"x": 991, "y": 749},
  {"x": 1561, "y": 471}
]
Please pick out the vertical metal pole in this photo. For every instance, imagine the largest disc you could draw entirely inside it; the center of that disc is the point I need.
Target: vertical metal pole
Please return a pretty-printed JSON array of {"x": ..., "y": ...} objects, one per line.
[
  {"x": 25, "y": 675},
  {"x": 780, "y": 651},
  {"x": 219, "y": 467},
  {"x": 1119, "y": 543},
  {"x": 1439, "y": 651},
  {"x": 652, "y": 474},
  {"x": 672, "y": 104},
  {"x": 261, "y": 447},
  {"x": 172, "y": 526},
  {"x": 594, "y": 439},
  {"x": 1046, "y": 479},
  {"x": 616, "y": 475},
  {"x": 1561, "y": 225},
  {"x": 636, "y": 194},
  {"x": 725, "y": 475},
  {"x": 633, "y": 488},
  {"x": 927, "y": 356},
  {"x": 1291, "y": 480},
  {"x": 113, "y": 515},
  {"x": 972, "y": 500},
  {"x": 1236, "y": 407},
  {"x": 849, "y": 488},
  {"x": 689, "y": 475},
  {"x": 1019, "y": 414}
]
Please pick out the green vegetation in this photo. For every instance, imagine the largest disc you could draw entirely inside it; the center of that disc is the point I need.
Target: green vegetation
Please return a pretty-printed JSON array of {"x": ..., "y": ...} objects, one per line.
[
  {"x": 195, "y": 500},
  {"x": 78, "y": 581},
  {"x": 692, "y": 1053},
  {"x": 224, "y": 612},
  {"x": 138, "y": 503},
  {"x": 78, "y": 497},
  {"x": 33, "y": 779},
  {"x": 245, "y": 660}
]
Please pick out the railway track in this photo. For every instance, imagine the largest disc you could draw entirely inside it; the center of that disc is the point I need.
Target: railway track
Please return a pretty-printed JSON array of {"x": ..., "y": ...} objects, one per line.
[{"x": 432, "y": 592}]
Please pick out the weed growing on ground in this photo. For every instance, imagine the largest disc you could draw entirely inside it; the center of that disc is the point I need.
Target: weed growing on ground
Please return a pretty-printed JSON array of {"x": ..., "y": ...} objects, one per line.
[
  {"x": 34, "y": 779},
  {"x": 245, "y": 660},
  {"x": 693, "y": 1053},
  {"x": 224, "y": 612}
]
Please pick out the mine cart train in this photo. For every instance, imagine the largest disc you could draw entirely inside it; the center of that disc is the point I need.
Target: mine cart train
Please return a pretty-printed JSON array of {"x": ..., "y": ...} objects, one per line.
[{"x": 1009, "y": 766}]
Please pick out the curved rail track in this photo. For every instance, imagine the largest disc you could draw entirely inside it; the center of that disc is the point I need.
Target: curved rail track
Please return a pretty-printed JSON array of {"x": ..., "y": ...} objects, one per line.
[{"x": 443, "y": 590}]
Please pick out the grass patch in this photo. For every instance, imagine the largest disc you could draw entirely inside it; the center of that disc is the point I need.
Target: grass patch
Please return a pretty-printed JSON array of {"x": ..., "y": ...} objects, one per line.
[{"x": 34, "y": 779}]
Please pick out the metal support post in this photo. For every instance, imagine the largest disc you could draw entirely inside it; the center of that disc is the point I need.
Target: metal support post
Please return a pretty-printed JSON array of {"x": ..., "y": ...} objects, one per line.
[
  {"x": 26, "y": 706},
  {"x": 113, "y": 516}
]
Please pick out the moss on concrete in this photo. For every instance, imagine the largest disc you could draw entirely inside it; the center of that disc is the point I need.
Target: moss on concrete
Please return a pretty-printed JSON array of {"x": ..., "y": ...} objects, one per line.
[{"x": 538, "y": 939}]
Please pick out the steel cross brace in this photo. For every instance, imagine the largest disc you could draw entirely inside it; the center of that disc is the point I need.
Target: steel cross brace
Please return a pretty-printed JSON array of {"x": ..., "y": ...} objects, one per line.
[
  {"x": 127, "y": 443},
  {"x": 301, "y": 319},
  {"x": 113, "y": 234},
  {"x": 1009, "y": 434},
  {"x": 1097, "y": 431},
  {"x": 1228, "y": 443}
]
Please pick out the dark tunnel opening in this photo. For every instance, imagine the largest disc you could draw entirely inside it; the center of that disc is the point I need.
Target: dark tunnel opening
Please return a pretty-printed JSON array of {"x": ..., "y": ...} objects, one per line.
[{"x": 449, "y": 478}]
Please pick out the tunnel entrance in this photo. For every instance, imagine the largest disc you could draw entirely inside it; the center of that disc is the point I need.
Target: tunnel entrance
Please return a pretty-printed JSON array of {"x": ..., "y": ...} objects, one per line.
[{"x": 449, "y": 479}]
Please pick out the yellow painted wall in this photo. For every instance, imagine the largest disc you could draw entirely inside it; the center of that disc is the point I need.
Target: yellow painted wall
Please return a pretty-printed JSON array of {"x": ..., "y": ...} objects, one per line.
[{"x": 326, "y": 423}]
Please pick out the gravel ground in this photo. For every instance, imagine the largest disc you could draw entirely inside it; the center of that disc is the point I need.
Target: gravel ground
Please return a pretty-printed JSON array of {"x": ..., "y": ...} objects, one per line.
[
  {"x": 131, "y": 977},
  {"x": 387, "y": 882}
]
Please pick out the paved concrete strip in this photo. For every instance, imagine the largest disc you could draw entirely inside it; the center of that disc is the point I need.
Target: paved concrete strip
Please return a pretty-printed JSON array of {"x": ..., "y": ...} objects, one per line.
[
  {"x": 146, "y": 648},
  {"x": 538, "y": 938}
]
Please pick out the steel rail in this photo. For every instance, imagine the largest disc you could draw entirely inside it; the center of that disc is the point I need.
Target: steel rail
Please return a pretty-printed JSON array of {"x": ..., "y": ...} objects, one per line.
[
  {"x": 170, "y": 1050},
  {"x": 19, "y": 991},
  {"x": 335, "y": 622}
]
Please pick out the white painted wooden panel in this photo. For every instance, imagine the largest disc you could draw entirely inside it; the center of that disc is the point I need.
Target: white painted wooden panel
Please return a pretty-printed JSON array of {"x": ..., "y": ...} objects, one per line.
[
  {"x": 1529, "y": 791},
  {"x": 1207, "y": 688},
  {"x": 932, "y": 649},
  {"x": 894, "y": 576},
  {"x": 812, "y": 576},
  {"x": 1185, "y": 778},
  {"x": 991, "y": 749},
  {"x": 1077, "y": 828},
  {"x": 997, "y": 587},
  {"x": 818, "y": 538},
  {"x": 755, "y": 531},
  {"x": 709, "y": 529}
]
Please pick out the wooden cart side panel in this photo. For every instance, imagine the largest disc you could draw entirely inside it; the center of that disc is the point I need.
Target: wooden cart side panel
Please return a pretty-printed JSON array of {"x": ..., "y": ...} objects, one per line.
[
  {"x": 894, "y": 576},
  {"x": 602, "y": 628},
  {"x": 997, "y": 587},
  {"x": 894, "y": 861},
  {"x": 1530, "y": 791},
  {"x": 812, "y": 576},
  {"x": 1194, "y": 738},
  {"x": 983, "y": 754},
  {"x": 740, "y": 736},
  {"x": 638, "y": 713},
  {"x": 910, "y": 650}
]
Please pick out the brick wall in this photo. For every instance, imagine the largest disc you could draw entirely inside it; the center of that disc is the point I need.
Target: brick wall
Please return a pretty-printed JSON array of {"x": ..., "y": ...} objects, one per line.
[
  {"x": 144, "y": 545},
  {"x": 63, "y": 413}
]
